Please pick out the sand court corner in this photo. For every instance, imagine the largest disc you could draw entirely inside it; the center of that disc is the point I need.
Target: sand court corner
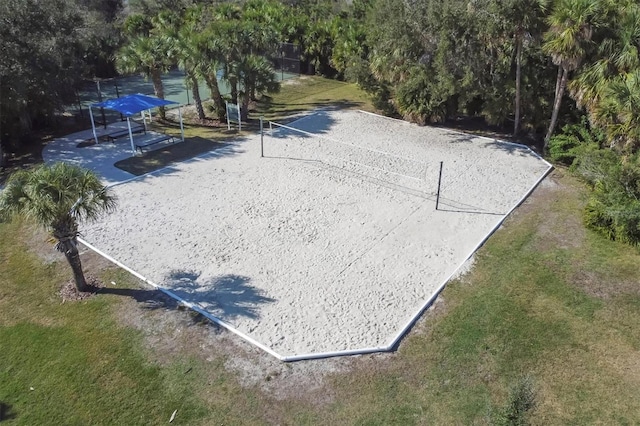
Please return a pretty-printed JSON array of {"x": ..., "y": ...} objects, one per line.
[{"x": 326, "y": 245}]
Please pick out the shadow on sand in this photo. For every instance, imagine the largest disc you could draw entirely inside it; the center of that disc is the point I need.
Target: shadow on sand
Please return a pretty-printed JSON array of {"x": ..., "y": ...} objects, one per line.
[
  {"x": 227, "y": 297},
  {"x": 179, "y": 152},
  {"x": 510, "y": 148},
  {"x": 317, "y": 122}
]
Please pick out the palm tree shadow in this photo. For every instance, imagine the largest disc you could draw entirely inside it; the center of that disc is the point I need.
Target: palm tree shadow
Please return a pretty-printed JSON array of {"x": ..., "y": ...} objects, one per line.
[
  {"x": 227, "y": 297},
  {"x": 6, "y": 412},
  {"x": 148, "y": 299}
]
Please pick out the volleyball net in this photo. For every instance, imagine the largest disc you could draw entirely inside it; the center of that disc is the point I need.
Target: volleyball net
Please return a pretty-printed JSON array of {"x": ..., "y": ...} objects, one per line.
[{"x": 283, "y": 141}]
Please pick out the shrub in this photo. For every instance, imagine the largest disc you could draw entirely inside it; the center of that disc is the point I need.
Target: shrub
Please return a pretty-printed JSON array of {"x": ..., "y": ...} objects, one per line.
[
  {"x": 522, "y": 400},
  {"x": 421, "y": 100},
  {"x": 613, "y": 208},
  {"x": 574, "y": 141}
]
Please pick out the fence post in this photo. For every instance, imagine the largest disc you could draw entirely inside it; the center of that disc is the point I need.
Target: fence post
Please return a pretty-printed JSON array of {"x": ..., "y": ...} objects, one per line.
[
  {"x": 261, "y": 138},
  {"x": 439, "y": 180}
]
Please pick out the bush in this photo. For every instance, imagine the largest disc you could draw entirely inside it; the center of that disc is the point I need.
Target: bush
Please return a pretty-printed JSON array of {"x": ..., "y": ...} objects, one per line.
[
  {"x": 574, "y": 141},
  {"x": 420, "y": 100},
  {"x": 613, "y": 208},
  {"x": 522, "y": 400}
]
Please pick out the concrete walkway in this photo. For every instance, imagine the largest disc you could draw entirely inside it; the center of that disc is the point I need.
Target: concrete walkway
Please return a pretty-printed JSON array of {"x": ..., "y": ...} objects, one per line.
[{"x": 100, "y": 158}]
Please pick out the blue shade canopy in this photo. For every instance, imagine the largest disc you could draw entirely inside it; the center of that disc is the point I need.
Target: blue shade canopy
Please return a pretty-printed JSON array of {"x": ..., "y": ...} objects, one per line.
[{"x": 133, "y": 104}]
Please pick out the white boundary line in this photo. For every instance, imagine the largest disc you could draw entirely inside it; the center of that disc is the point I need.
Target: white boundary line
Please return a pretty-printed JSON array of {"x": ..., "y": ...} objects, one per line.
[
  {"x": 364, "y": 148},
  {"x": 461, "y": 133},
  {"x": 385, "y": 117},
  {"x": 321, "y": 355},
  {"x": 413, "y": 320},
  {"x": 193, "y": 306}
]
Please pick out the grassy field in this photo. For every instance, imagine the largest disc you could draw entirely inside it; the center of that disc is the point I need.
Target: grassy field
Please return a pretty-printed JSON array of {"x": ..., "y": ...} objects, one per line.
[{"x": 546, "y": 299}]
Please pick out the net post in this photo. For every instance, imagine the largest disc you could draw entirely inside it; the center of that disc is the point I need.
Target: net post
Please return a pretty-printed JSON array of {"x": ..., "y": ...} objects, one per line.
[
  {"x": 271, "y": 129},
  {"x": 439, "y": 180},
  {"x": 261, "y": 137}
]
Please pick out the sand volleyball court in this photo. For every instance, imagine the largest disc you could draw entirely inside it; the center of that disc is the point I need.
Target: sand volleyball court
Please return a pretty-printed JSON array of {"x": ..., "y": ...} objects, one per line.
[{"x": 327, "y": 245}]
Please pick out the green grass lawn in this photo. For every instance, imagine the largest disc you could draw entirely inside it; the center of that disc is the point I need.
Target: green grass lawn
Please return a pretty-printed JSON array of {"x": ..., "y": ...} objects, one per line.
[{"x": 546, "y": 299}]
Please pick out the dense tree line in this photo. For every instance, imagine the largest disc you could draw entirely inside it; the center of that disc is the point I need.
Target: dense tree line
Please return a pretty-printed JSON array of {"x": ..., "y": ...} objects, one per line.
[
  {"x": 531, "y": 66},
  {"x": 46, "y": 48},
  {"x": 204, "y": 41}
]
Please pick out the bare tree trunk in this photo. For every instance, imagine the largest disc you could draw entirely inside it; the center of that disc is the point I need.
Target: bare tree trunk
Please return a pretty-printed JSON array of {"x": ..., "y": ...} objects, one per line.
[
  {"x": 73, "y": 257},
  {"x": 516, "y": 125},
  {"x": 253, "y": 92},
  {"x": 244, "y": 112},
  {"x": 558, "y": 80},
  {"x": 212, "y": 82},
  {"x": 196, "y": 97},
  {"x": 233, "y": 82},
  {"x": 158, "y": 89},
  {"x": 561, "y": 85}
]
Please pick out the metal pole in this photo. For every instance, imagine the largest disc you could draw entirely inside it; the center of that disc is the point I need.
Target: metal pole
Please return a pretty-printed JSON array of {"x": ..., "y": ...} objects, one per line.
[
  {"x": 133, "y": 148},
  {"x": 117, "y": 96},
  {"x": 104, "y": 120},
  {"x": 93, "y": 125},
  {"x": 282, "y": 68},
  {"x": 181, "y": 126},
  {"x": 439, "y": 180},
  {"x": 261, "y": 139}
]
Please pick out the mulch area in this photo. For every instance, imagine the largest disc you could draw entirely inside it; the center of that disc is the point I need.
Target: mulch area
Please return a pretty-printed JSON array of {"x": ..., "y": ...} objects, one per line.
[{"x": 69, "y": 293}]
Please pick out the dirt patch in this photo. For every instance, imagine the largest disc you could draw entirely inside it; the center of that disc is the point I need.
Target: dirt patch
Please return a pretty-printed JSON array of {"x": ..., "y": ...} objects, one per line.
[
  {"x": 558, "y": 226},
  {"x": 174, "y": 332},
  {"x": 69, "y": 292},
  {"x": 602, "y": 286},
  {"x": 190, "y": 116},
  {"x": 92, "y": 263},
  {"x": 556, "y": 207},
  {"x": 295, "y": 81}
]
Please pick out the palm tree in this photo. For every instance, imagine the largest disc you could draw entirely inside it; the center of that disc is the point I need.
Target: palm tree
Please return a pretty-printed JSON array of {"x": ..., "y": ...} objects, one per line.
[
  {"x": 184, "y": 37},
  {"x": 619, "y": 112},
  {"x": 571, "y": 28},
  {"x": 318, "y": 45},
  {"x": 602, "y": 86},
  {"x": 257, "y": 76},
  {"x": 58, "y": 197},
  {"x": 147, "y": 56},
  {"x": 525, "y": 19},
  {"x": 212, "y": 54}
]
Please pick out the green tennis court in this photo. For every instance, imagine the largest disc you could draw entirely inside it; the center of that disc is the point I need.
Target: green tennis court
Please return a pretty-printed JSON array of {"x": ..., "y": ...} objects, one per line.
[{"x": 175, "y": 90}]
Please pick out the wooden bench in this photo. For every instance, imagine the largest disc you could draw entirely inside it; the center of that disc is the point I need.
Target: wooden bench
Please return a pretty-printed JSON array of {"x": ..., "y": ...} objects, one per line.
[{"x": 148, "y": 142}]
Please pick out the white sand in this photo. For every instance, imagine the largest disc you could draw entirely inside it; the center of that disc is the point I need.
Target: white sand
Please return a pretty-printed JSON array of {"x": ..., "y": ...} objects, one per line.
[{"x": 311, "y": 256}]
